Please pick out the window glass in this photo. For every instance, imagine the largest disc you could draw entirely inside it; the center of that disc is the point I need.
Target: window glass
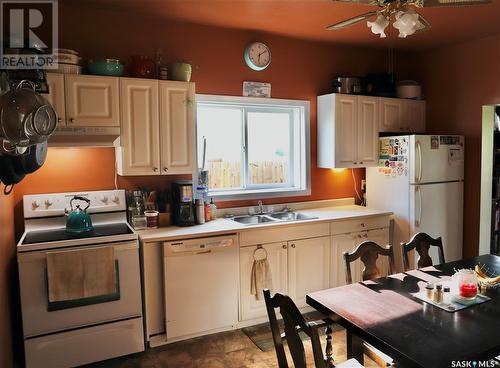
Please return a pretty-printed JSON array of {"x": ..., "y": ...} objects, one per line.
[
  {"x": 255, "y": 147},
  {"x": 223, "y": 129},
  {"x": 268, "y": 147}
]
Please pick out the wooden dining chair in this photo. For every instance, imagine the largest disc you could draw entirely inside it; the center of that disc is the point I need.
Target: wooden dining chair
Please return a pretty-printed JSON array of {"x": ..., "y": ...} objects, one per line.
[
  {"x": 422, "y": 242},
  {"x": 369, "y": 251},
  {"x": 294, "y": 322}
]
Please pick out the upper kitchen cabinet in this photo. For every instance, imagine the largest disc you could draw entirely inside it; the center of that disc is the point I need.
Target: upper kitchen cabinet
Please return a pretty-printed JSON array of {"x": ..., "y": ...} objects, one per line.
[
  {"x": 56, "y": 96},
  {"x": 368, "y": 116},
  {"x": 177, "y": 130},
  {"x": 157, "y": 128},
  {"x": 139, "y": 151},
  {"x": 402, "y": 115},
  {"x": 92, "y": 100},
  {"x": 347, "y": 131},
  {"x": 415, "y": 115},
  {"x": 391, "y": 115}
]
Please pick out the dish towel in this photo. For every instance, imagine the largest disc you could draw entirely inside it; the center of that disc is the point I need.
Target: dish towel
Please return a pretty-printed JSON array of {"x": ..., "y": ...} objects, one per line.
[
  {"x": 80, "y": 273},
  {"x": 261, "y": 278}
]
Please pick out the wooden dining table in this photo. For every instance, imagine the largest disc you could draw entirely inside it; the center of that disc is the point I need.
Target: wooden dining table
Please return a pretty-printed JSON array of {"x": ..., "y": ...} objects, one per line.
[{"x": 386, "y": 314}]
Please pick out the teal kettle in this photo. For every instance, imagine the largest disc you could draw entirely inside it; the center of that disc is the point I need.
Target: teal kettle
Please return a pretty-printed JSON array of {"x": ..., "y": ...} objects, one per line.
[{"x": 78, "y": 220}]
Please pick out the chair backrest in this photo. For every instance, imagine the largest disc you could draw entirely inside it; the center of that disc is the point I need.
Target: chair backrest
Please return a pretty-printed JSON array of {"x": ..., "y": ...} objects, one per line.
[
  {"x": 368, "y": 251},
  {"x": 293, "y": 321},
  {"x": 422, "y": 242}
]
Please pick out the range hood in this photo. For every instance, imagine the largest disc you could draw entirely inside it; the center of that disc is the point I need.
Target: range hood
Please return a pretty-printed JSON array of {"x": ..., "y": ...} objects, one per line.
[{"x": 85, "y": 137}]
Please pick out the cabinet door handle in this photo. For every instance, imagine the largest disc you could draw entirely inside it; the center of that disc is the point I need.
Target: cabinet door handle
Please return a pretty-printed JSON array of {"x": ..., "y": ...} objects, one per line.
[
  {"x": 71, "y": 120},
  {"x": 293, "y": 245},
  {"x": 155, "y": 169},
  {"x": 284, "y": 246},
  {"x": 355, "y": 163},
  {"x": 361, "y": 162},
  {"x": 59, "y": 120},
  {"x": 165, "y": 169}
]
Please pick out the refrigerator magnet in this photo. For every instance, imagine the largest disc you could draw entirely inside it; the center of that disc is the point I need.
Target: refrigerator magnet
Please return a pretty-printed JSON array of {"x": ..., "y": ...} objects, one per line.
[{"x": 434, "y": 142}]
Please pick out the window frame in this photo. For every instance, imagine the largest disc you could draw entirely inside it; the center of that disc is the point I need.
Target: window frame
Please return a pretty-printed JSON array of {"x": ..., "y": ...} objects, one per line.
[{"x": 259, "y": 104}]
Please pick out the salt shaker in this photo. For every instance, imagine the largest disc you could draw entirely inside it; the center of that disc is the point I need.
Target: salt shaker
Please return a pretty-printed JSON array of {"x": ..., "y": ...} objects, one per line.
[{"x": 446, "y": 295}]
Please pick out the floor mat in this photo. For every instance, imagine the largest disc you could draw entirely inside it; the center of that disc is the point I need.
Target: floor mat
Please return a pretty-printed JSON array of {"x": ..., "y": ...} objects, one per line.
[{"x": 261, "y": 334}]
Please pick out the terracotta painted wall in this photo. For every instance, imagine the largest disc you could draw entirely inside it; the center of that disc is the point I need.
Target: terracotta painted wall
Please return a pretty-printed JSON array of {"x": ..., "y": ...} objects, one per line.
[
  {"x": 299, "y": 70},
  {"x": 458, "y": 81},
  {"x": 7, "y": 251}
]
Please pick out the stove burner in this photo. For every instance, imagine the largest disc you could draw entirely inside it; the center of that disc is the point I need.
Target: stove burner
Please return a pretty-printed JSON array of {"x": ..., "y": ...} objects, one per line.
[{"x": 44, "y": 236}]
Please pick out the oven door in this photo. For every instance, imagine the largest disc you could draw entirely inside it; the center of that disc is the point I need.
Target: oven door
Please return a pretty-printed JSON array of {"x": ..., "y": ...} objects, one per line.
[{"x": 39, "y": 318}]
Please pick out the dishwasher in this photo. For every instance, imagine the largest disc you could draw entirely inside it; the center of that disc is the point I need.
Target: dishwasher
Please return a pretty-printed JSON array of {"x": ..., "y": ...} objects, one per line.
[{"x": 201, "y": 285}]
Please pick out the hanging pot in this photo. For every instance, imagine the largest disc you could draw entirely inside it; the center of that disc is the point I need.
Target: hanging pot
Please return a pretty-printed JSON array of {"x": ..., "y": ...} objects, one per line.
[
  {"x": 34, "y": 157},
  {"x": 26, "y": 117}
]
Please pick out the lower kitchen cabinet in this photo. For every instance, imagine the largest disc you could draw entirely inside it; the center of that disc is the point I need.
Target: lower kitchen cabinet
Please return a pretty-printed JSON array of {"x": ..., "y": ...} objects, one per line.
[
  {"x": 276, "y": 254},
  {"x": 308, "y": 268},
  {"x": 298, "y": 267},
  {"x": 347, "y": 243}
]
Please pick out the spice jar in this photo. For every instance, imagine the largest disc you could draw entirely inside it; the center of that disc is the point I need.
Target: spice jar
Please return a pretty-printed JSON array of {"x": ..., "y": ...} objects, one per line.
[
  {"x": 438, "y": 294},
  {"x": 429, "y": 290}
]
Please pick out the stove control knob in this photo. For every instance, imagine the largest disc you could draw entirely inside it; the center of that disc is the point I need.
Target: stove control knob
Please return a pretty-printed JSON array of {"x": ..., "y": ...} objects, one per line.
[
  {"x": 35, "y": 204},
  {"x": 104, "y": 199},
  {"x": 115, "y": 198},
  {"x": 48, "y": 203}
]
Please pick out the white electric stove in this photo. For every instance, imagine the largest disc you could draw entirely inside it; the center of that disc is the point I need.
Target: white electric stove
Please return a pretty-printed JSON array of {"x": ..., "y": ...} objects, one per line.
[{"x": 80, "y": 331}]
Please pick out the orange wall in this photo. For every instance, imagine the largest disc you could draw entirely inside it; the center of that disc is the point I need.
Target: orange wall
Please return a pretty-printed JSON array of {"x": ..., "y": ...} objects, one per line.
[
  {"x": 7, "y": 251},
  {"x": 299, "y": 70},
  {"x": 458, "y": 81}
]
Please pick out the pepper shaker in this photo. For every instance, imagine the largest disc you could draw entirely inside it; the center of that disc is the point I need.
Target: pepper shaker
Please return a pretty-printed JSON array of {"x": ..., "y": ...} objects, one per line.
[{"x": 438, "y": 294}]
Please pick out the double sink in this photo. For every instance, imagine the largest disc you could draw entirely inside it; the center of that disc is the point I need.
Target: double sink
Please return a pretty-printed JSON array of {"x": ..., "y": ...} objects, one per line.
[{"x": 271, "y": 217}]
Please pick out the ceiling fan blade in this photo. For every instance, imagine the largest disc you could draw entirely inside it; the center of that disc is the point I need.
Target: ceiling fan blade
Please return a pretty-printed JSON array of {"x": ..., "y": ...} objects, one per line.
[
  {"x": 437, "y": 3},
  {"x": 424, "y": 24},
  {"x": 363, "y": 2},
  {"x": 351, "y": 21}
]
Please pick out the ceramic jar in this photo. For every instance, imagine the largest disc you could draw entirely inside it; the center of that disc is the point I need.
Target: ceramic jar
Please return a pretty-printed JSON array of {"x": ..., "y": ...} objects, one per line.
[
  {"x": 181, "y": 71},
  {"x": 142, "y": 67}
]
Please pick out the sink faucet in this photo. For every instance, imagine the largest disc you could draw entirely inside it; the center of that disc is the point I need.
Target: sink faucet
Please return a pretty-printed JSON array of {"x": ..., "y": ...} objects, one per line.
[{"x": 261, "y": 208}]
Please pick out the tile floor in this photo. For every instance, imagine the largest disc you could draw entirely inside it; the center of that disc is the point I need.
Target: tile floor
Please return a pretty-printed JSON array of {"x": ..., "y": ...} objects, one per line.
[{"x": 231, "y": 349}]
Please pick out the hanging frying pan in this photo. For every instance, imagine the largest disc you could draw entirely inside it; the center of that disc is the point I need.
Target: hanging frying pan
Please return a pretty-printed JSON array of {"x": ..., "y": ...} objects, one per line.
[{"x": 11, "y": 172}]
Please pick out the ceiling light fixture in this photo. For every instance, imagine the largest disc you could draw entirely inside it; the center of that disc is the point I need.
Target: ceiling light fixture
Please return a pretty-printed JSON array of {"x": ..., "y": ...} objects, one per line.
[
  {"x": 405, "y": 19},
  {"x": 379, "y": 25},
  {"x": 407, "y": 22}
]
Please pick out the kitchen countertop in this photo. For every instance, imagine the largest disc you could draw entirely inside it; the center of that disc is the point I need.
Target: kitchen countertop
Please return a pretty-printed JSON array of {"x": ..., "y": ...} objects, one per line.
[{"x": 223, "y": 226}]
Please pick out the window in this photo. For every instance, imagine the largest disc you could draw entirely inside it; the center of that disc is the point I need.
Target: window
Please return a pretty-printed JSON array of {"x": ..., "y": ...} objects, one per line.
[{"x": 255, "y": 147}]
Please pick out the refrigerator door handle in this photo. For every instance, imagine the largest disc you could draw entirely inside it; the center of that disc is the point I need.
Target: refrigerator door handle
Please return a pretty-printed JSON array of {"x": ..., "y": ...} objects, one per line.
[
  {"x": 418, "y": 147},
  {"x": 418, "y": 220}
]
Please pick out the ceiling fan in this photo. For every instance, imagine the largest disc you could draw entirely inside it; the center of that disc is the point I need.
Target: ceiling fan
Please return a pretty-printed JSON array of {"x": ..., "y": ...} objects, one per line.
[{"x": 402, "y": 12}]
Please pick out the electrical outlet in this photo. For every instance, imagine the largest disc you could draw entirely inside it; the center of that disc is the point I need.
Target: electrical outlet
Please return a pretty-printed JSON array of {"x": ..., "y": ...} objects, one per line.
[{"x": 363, "y": 185}]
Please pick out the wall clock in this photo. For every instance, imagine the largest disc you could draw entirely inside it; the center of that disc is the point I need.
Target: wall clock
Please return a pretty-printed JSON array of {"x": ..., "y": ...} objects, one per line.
[{"x": 257, "y": 56}]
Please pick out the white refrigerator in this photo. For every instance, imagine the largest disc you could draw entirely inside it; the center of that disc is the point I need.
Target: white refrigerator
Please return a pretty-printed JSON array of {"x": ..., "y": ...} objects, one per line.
[{"x": 420, "y": 178}]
